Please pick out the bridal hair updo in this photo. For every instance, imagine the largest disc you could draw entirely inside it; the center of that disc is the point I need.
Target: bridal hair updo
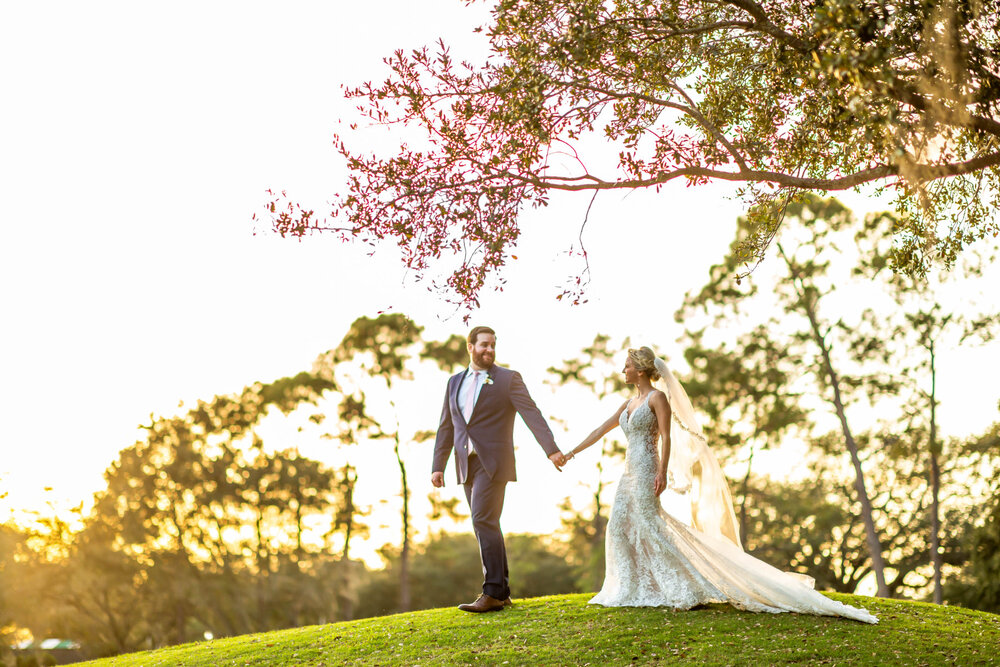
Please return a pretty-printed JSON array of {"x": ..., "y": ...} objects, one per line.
[{"x": 643, "y": 360}]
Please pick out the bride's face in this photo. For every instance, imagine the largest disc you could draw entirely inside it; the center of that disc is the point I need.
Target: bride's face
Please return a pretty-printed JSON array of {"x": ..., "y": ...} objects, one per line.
[{"x": 631, "y": 375}]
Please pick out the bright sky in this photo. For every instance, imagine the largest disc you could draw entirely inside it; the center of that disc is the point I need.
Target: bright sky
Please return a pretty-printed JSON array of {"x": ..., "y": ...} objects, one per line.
[{"x": 136, "y": 144}]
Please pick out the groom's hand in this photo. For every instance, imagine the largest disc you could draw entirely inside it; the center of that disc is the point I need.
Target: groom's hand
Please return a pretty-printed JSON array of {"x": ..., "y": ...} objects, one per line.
[
  {"x": 437, "y": 479},
  {"x": 558, "y": 460}
]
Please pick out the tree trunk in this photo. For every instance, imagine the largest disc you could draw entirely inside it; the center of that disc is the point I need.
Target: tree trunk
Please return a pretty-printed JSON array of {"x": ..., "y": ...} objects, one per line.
[
  {"x": 346, "y": 599},
  {"x": 348, "y": 510},
  {"x": 180, "y": 620},
  {"x": 935, "y": 484},
  {"x": 298, "y": 529},
  {"x": 404, "y": 553},
  {"x": 263, "y": 572},
  {"x": 119, "y": 634},
  {"x": 874, "y": 544},
  {"x": 867, "y": 515}
]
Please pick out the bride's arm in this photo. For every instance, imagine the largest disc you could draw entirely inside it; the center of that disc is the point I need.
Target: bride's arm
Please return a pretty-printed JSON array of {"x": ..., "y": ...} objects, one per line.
[
  {"x": 598, "y": 432},
  {"x": 661, "y": 408}
]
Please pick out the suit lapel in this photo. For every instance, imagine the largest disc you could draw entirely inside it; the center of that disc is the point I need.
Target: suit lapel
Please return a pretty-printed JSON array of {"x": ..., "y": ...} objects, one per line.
[
  {"x": 484, "y": 393},
  {"x": 456, "y": 382}
]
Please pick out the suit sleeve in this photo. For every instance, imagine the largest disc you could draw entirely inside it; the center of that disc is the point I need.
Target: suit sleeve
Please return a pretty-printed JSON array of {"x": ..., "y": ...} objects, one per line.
[
  {"x": 445, "y": 437},
  {"x": 531, "y": 415}
]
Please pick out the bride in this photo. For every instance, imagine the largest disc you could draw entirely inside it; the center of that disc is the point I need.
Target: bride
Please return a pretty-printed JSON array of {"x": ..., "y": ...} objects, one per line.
[{"x": 656, "y": 560}]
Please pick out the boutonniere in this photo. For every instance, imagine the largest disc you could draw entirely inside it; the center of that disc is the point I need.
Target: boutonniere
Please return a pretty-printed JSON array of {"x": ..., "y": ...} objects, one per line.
[{"x": 488, "y": 380}]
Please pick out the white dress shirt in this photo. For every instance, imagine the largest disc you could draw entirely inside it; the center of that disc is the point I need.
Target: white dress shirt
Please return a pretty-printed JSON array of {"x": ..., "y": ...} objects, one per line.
[
  {"x": 465, "y": 387},
  {"x": 462, "y": 392}
]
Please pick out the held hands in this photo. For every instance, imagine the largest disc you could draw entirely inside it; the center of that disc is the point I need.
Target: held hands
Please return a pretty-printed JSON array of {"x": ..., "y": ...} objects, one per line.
[
  {"x": 659, "y": 483},
  {"x": 559, "y": 459}
]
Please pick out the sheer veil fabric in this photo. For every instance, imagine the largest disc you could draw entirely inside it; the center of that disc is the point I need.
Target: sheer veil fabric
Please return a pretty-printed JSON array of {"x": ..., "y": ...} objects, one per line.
[{"x": 692, "y": 469}]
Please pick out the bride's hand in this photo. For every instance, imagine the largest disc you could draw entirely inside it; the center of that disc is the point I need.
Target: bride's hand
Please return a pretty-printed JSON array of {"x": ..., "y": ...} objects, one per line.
[{"x": 659, "y": 483}]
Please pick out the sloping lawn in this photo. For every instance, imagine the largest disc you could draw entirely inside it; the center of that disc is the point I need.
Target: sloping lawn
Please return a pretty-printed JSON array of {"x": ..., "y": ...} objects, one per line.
[{"x": 564, "y": 630}]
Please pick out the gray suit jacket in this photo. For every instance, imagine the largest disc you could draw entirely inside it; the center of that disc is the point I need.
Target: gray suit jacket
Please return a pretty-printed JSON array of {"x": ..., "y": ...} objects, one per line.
[{"x": 491, "y": 425}]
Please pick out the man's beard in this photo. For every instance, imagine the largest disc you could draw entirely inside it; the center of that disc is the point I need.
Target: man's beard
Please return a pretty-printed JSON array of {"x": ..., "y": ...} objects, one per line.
[{"x": 479, "y": 358}]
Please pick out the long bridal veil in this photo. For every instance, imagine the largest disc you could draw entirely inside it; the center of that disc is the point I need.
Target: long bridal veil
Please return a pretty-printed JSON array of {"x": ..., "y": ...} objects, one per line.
[
  {"x": 695, "y": 473},
  {"x": 692, "y": 469}
]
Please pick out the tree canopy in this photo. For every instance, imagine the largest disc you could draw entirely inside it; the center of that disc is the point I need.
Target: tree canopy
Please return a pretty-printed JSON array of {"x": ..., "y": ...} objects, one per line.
[{"x": 778, "y": 97}]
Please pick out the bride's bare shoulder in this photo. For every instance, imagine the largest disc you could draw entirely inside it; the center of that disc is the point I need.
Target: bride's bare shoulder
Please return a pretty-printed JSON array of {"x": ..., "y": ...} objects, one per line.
[{"x": 657, "y": 399}]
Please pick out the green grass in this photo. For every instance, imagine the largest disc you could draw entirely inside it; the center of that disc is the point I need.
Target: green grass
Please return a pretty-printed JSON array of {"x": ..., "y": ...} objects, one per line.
[{"x": 564, "y": 630}]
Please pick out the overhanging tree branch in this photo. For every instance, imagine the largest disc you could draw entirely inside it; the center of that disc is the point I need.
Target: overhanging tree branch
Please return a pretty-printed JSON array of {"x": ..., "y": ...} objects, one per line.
[{"x": 819, "y": 96}]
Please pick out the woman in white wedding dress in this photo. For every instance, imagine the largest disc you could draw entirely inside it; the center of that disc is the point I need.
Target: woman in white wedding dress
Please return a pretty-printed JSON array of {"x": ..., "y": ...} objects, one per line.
[{"x": 656, "y": 560}]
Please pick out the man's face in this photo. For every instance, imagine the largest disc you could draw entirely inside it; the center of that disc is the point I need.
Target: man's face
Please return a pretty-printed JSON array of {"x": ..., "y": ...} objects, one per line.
[{"x": 483, "y": 353}]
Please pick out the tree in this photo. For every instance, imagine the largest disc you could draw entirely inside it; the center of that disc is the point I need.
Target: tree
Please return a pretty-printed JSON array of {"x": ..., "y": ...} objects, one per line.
[
  {"x": 799, "y": 284},
  {"x": 443, "y": 571},
  {"x": 981, "y": 588},
  {"x": 445, "y": 507},
  {"x": 347, "y": 519},
  {"x": 977, "y": 585},
  {"x": 219, "y": 536},
  {"x": 811, "y": 523},
  {"x": 93, "y": 593},
  {"x": 379, "y": 349},
  {"x": 11, "y": 542},
  {"x": 200, "y": 528},
  {"x": 446, "y": 567},
  {"x": 806, "y": 527},
  {"x": 775, "y": 96},
  {"x": 374, "y": 355},
  {"x": 927, "y": 320}
]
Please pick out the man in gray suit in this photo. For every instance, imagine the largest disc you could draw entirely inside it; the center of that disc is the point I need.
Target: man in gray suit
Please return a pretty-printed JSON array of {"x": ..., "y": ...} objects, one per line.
[{"x": 478, "y": 423}]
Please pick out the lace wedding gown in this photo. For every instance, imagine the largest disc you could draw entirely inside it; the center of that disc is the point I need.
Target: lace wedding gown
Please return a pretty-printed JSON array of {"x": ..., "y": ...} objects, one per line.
[{"x": 655, "y": 560}]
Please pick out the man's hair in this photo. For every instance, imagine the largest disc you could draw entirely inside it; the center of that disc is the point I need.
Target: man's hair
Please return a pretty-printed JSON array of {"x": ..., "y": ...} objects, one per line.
[{"x": 474, "y": 334}]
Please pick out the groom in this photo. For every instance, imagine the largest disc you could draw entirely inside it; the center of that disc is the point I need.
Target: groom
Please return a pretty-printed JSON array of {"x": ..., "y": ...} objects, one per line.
[{"x": 478, "y": 422}]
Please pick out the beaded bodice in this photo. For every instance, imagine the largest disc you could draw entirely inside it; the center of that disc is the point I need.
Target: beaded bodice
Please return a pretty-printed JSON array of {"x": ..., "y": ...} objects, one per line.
[{"x": 640, "y": 428}]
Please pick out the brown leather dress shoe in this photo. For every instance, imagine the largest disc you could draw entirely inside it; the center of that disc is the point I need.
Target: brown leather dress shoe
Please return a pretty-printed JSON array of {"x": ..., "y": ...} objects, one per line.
[
  {"x": 484, "y": 603},
  {"x": 507, "y": 602}
]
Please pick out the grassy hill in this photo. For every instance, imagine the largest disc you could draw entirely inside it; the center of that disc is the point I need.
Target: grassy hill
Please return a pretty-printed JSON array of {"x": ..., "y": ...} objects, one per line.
[{"x": 564, "y": 630}]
